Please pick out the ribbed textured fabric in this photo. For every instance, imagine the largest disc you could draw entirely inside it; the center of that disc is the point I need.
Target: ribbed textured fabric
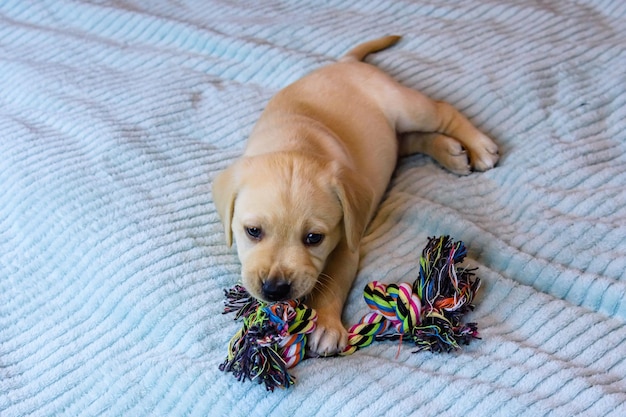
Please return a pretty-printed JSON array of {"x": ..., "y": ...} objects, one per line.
[{"x": 116, "y": 116}]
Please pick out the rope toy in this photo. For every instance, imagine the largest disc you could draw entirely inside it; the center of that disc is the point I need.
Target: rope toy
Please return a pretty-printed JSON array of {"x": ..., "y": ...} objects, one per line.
[
  {"x": 272, "y": 339},
  {"x": 428, "y": 312}
]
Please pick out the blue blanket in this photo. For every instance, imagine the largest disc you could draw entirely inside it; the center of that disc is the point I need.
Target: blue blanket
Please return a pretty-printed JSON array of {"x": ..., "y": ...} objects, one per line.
[{"x": 115, "y": 116}]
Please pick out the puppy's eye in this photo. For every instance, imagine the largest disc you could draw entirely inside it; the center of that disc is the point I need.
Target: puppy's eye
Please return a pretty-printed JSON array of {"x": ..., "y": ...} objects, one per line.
[
  {"x": 254, "y": 233},
  {"x": 313, "y": 239}
]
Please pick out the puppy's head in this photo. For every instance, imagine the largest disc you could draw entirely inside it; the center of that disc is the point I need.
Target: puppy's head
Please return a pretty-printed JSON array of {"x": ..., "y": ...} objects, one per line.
[{"x": 287, "y": 212}]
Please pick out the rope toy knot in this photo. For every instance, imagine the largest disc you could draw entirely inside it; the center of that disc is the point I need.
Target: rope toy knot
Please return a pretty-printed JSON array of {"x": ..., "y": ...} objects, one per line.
[
  {"x": 428, "y": 311},
  {"x": 271, "y": 340}
]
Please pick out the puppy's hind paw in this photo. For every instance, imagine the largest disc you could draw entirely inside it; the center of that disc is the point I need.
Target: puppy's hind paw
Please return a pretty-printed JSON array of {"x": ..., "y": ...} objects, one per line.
[
  {"x": 484, "y": 155},
  {"x": 449, "y": 153}
]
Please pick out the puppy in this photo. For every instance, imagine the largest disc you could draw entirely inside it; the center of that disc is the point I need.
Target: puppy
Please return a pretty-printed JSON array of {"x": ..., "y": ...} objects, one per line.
[{"x": 314, "y": 170}]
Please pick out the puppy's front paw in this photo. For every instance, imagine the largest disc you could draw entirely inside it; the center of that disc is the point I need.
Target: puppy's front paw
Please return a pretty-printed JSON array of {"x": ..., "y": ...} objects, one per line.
[{"x": 329, "y": 337}]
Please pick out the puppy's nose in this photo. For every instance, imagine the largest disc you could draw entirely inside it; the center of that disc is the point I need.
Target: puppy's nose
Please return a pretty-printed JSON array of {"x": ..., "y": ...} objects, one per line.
[{"x": 276, "y": 290}]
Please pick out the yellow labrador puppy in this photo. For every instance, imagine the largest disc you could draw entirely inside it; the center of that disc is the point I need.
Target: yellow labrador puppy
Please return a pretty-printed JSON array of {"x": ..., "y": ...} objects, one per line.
[{"x": 314, "y": 170}]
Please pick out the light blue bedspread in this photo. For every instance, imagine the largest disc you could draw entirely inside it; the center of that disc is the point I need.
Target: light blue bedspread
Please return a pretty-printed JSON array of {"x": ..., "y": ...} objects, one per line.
[{"x": 115, "y": 117}]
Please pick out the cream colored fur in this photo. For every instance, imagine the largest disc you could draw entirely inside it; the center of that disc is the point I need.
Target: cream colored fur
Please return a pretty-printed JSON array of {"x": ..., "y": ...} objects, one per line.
[{"x": 317, "y": 164}]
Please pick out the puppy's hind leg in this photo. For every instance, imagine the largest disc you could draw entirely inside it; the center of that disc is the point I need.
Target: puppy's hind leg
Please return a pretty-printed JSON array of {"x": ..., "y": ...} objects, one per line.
[
  {"x": 447, "y": 151},
  {"x": 447, "y": 134}
]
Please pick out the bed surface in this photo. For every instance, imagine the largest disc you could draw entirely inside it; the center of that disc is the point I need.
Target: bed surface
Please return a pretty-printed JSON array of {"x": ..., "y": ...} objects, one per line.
[{"x": 115, "y": 116}]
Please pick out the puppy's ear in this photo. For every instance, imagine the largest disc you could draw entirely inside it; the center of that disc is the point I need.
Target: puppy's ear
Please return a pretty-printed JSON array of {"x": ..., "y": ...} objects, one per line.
[
  {"x": 225, "y": 187},
  {"x": 357, "y": 199}
]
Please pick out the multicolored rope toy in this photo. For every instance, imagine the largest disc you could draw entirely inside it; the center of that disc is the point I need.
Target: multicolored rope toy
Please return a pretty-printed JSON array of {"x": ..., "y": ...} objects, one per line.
[
  {"x": 272, "y": 339},
  {"x": 428, "y": 312}
]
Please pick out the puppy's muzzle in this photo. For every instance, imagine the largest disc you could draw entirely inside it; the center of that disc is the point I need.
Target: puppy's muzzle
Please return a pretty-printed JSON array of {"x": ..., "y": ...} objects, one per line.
[{"x": 276, "y": 290}]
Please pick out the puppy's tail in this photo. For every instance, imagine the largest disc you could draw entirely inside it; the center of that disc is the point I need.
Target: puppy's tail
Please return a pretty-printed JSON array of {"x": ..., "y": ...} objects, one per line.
[{"x": 359, "y": 52}]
